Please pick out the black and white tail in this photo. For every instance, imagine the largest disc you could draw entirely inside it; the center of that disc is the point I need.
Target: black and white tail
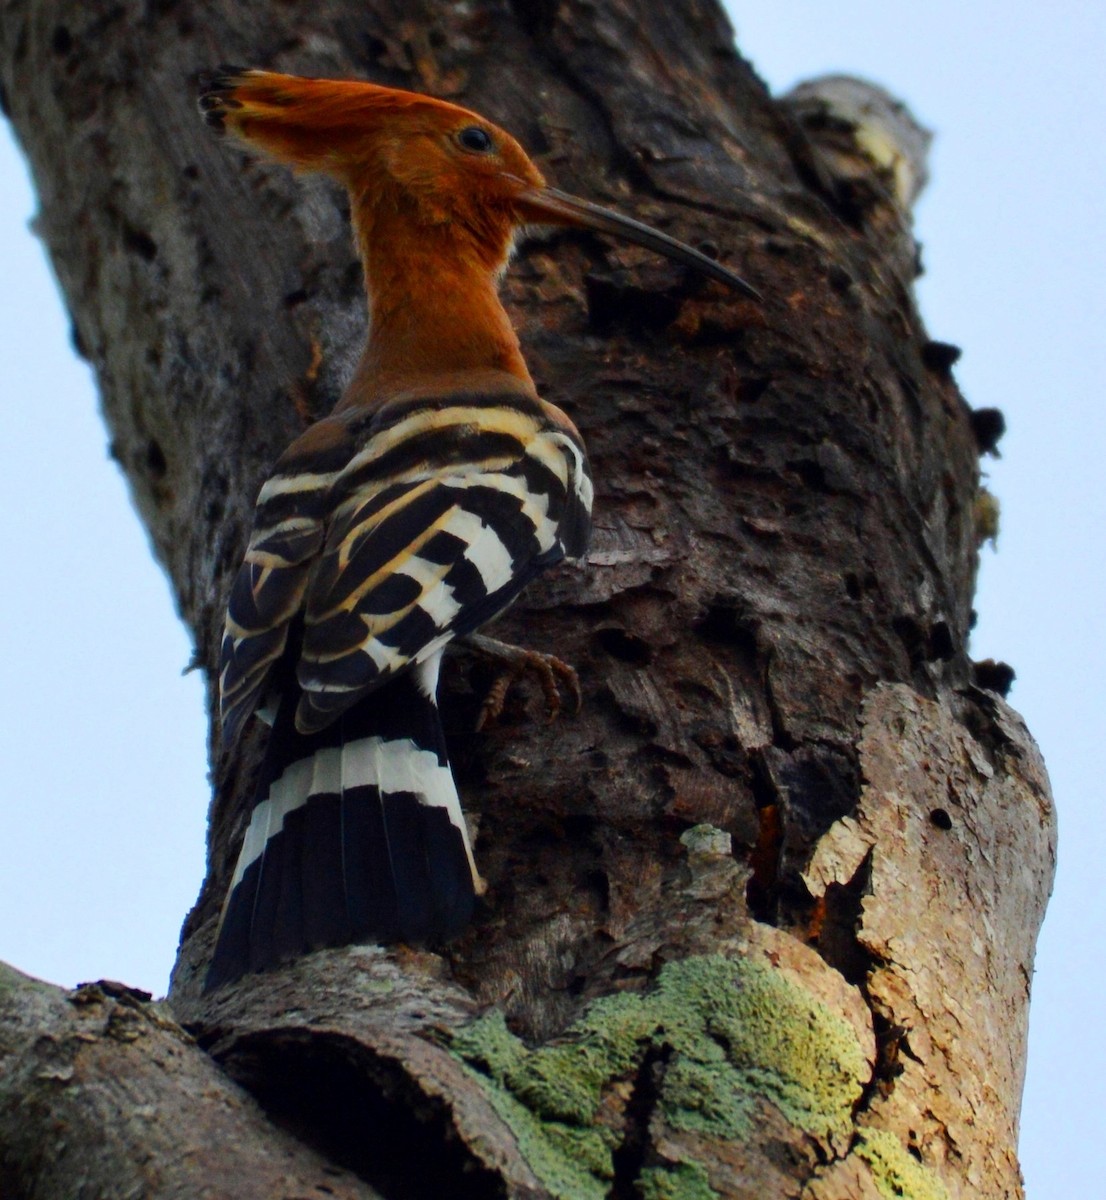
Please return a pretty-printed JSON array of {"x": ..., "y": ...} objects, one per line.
[{"x": 356, "y": 835}]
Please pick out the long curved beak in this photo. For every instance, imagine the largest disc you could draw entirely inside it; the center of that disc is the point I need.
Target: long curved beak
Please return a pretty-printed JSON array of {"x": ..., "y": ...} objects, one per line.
[{"x": 546, "y": 205}]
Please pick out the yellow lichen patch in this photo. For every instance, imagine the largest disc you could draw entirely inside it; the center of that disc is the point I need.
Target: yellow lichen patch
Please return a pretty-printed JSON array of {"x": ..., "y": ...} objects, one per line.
[{"x": 897, "y": 1175}]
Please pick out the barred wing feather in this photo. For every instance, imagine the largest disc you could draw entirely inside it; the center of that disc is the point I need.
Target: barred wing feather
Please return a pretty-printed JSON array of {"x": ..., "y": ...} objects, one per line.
[
  {"x": 431, "y": 557},
  {"x": 393, "y": 533},
  {"x": 268, "y": 592}
]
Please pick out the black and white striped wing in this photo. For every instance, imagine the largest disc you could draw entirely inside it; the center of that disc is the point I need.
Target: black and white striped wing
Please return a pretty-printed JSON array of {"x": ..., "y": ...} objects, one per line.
[
  {"x": 269, "y": 590},
  {"x": 439, "y": 522}
]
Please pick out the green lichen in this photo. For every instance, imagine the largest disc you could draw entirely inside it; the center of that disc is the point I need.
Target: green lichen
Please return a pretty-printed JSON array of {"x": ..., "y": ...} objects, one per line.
[
  {"x": 784, "y": 1045},
  {"x": 708, "y": 1098},
  {"x": 896, "y": 1174},
  {"x": 729, "y": 1033},
  {"x": 561, "y": 1157},
  {"x": 589, "y": 1148},
  {"x": 685, "y": 1181},
  {"x": 488, "y": 1043},
  {"x": 564, "y": 1082}
]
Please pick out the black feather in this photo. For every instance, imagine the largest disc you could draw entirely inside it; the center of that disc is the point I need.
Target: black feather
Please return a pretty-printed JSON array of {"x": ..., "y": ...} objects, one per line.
[{"x": 354, "y": 864}]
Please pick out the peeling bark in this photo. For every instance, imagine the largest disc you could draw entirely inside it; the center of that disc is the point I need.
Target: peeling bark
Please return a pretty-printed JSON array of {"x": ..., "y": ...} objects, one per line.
[
  {"x": 955, "y": 837},
  {"x": 761, "y": 919}
]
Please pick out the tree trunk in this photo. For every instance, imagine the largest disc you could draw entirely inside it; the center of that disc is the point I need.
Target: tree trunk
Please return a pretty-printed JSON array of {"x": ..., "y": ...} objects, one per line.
[{"x": 761, "y": 917}]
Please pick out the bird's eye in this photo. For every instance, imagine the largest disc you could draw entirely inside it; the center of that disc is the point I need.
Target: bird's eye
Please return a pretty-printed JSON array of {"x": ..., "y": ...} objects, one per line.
[{"x": 475, "y": 139}]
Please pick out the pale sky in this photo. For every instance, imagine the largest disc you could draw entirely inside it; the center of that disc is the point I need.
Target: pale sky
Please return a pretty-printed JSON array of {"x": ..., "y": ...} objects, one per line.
[{"x": 99, "y": 864}]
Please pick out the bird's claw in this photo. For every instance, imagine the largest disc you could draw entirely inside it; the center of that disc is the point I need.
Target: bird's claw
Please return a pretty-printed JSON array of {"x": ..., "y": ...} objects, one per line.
[{"x": 552, "y": 673}]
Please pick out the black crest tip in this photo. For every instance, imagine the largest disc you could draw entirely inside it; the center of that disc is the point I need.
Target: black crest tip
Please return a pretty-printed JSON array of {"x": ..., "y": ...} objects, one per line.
[{"x": 216, "y": 97}]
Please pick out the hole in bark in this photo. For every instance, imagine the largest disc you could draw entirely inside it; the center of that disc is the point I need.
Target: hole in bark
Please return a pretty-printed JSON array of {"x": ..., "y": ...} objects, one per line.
[
  {"x": 374, "y": 47},
  {"x": 913, "y": 638},
  {"x": 625, "y": 646},
  {"x": 812, "y": 474},
  {"x": 599, "y": 882},
  {"x": 630, "y": 720},
  {"x": 723, "y": 622},
  {"x": 940, "y": 818},
  {"x": 537, "y": 17},
  {"x": 854, "y": 200},
  {"x": 941, "y": 645},
  {"x": 751, "y": 389},
  {"x": 293, "y": 299},
  {"x": 61, "y": 41},
  {"x": 155, "y": 460},
  {"x": 617, "y": 299},
  {"x": 852, "y": 586},
  {"x": 139, "y": 243},
  {"x": 361, "y": 1111},
  {"x": 578, "y": 826},
  {"x": 839, "y": 279}
]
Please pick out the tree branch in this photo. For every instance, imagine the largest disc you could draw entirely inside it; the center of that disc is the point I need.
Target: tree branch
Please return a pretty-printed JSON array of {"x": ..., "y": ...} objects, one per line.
[{"x": 103, "y": 1094}]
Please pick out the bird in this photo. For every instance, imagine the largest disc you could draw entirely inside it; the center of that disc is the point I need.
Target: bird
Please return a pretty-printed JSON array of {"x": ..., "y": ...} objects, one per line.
[{"x": 413, "y": 514}]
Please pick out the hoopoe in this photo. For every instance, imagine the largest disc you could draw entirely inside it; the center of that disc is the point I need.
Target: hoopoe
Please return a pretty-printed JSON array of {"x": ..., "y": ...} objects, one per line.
[{"x": 415, "y": 513}]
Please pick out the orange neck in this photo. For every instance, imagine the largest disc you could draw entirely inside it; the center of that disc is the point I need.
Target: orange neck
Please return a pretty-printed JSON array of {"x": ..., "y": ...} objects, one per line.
[{"x": 434, "y": 311}]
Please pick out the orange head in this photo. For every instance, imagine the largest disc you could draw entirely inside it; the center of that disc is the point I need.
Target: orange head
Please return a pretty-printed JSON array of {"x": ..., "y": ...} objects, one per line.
[{"x": 437, "y": 166}]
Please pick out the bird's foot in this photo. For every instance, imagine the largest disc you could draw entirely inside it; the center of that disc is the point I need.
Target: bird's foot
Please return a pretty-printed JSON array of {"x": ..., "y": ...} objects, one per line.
[{"x": 516, "y": 661}]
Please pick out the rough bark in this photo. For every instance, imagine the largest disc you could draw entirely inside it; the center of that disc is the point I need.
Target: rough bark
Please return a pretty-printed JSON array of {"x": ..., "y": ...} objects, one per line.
[
  {"x": 103, "y": 1094},
  {"x": 761, "y": 918}
]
